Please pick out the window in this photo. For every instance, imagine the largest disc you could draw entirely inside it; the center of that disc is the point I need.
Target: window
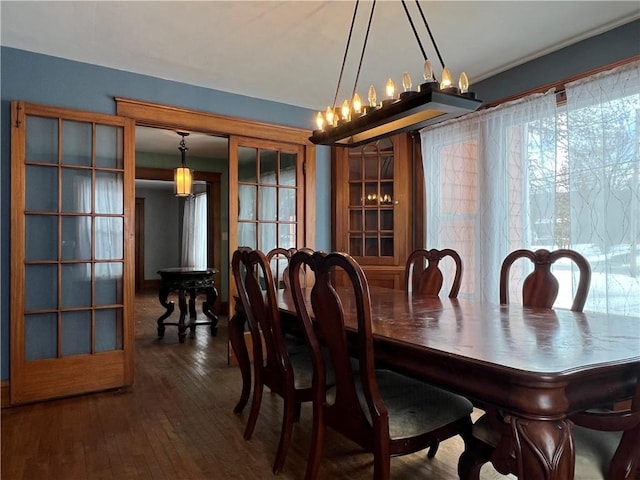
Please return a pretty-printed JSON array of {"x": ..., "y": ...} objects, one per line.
[{"x": 535, "y": 174}]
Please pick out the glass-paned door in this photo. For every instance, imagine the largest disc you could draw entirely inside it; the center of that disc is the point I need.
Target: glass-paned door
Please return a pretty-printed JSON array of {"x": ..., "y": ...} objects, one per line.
[
  {"x": 267, "y": 206},
  {"x": 72, "y": 263}
]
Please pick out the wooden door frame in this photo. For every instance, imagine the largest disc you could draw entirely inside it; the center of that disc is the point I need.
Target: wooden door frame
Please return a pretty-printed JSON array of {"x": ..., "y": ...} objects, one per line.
[
  {"x": 139, "y": 250},
  {"x": 176, "y": 118}
]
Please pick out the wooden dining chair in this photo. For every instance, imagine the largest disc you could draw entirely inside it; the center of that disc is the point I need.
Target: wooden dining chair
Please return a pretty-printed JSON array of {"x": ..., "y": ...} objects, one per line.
[
  {"x": 385, "y": 412},
  {"x": 276, "y": 257},
  {"x": 540, "y": 288},
  {"x": 430, "y": 279},
  {"x": 284, "y": 369},
  {"x": 609, "y": 441}
]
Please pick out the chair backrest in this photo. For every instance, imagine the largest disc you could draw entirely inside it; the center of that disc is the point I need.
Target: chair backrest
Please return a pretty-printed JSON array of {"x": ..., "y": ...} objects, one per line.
[
  {"x": 430, "y": 280},
  {"x": 256, "y": 289},
  {"x": 278, "y": 257},
  {"x": 540, "y": 288},
  {"x": 344, "y": 413},
  {"x": 626, "y": 458}
]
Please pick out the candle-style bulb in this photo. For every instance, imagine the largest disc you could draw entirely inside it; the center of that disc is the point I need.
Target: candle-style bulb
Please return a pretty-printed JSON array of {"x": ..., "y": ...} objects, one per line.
[
  {"x": 345, "y": 110},
  {"x": 356, "y": 103},
  {"x": 329, "y": 116},
  {"x": 320, "y": 120},
  {"x": 463, "y": 83},
  {"x": 390, "y": 88},
  {"x": 406, "y": 81},
  {"x": 373, "y": 99},
  {"x": 446, "y": 81},
  {"x": 427, "y": 71}
]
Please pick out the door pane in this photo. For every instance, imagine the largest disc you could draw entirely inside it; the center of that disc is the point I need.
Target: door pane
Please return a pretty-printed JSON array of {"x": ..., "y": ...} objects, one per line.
[
  {"x": 76, "y": 285},
  {"x": 268, "y": 166},
  {"x": 287, "y": 205},
  {"x": 247, "y": 164},
  {"x": 42, "y": 140},
  {"x": 109, "y": 146},
  {"x": 108, "y": 280},
  {"x": 247, "y": 202},
  {"x": 76, "y": 146},
  {"x": 288, "y": 162},
  {"x": 268, "y": 203},
  {"x": 41, "y": 287},
  {"x": 267, "y": 239},
  {"x": 109, "y": 238},
  {"x": 41, "y": 189},
  {"x": 76, "y": 190},
  {"x": 76, "y": 238},
  {"x": 41, "y": 332},
  {"x": 109, "y": 194},
  {"x": 76, "y": 333},
  {"x": 108, "y": 329},
  {"x": 41, "y": 237},
  {"x": 247, "y": 235}
]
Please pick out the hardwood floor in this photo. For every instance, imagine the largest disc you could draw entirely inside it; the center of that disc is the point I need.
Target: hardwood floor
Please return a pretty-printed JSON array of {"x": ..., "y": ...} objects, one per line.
[{"x": 177, "y": 422}]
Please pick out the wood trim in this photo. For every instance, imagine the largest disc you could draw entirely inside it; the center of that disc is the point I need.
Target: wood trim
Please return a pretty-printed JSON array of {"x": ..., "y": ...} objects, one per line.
[{"x": 153, "y": 114}]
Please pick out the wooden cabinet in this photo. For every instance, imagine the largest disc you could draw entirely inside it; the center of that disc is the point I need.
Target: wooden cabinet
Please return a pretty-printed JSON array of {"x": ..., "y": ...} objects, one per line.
[{"x": 373, "y": 206}]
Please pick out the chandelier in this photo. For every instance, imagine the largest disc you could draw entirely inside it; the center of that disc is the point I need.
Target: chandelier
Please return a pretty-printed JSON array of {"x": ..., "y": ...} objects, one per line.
[
  {"x": 353, "y": 124},
  {"x": 183, "y": 176}
]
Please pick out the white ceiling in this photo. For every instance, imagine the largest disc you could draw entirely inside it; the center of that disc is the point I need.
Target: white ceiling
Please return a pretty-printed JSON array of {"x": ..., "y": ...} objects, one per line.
[{"x": 291, "y": 51}]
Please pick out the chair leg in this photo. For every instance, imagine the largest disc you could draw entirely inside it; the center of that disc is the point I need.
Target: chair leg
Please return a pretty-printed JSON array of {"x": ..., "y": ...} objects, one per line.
[
  {"x": 256, "y": 401},
  {"x": 433, "y": 449},
  {"x": 288, "y": 416},
  {"x": 475, "y": 455},
  {"x": 317, "y": 444}
]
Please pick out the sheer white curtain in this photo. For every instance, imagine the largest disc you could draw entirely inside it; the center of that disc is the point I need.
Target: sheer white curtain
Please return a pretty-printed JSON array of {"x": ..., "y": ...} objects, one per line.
[
  {"x": 527, "y": 174},
  {"x": 476, "y": 180},
  {"x": 194, "y": 232},
  {"x": 603, "y": 142}
]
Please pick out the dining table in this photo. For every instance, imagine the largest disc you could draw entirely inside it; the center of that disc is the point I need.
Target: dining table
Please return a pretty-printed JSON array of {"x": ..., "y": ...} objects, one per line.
[{"x": 536, "y": 366}]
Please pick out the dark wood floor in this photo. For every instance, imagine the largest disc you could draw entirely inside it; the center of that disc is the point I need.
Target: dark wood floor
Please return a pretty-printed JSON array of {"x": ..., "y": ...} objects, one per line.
[{"x": 177, "y": 422}]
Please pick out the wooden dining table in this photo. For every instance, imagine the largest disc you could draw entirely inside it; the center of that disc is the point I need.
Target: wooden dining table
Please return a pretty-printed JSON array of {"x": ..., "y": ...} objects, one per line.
[{"x": 537, "y": 366}]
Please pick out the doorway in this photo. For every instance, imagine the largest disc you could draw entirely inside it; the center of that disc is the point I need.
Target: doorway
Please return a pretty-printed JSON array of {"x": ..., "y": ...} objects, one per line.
[{"x": 161, "y": 226}]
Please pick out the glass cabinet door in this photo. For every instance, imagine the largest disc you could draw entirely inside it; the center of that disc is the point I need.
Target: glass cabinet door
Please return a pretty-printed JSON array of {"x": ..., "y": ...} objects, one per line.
[{"x": 371, "y": 200}]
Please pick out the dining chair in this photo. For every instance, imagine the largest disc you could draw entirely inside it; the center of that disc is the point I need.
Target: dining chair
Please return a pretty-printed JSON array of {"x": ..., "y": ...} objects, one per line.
[
  {"x": 607, "y": 445},
  {"x": 287, "y": 369},
  {"x": 384, "y": 412},
  {"x": 430, "y": 279},
  {"x": 540, "y": 288}
]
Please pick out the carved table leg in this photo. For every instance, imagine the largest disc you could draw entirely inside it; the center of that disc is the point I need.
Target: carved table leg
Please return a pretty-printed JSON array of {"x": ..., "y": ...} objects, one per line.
[
  {"x": 163, "y": 294},
  {"x": 544, "y": 449},
  {"x": 212, "y": 295},
  {"x": 182, "y": 304},
  {"x": 236, "y": 338},
  {"x": 193, "y": 315}
]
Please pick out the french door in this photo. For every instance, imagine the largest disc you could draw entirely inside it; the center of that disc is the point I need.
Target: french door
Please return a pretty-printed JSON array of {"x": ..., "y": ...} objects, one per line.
[{"x": 72, "y": 245}]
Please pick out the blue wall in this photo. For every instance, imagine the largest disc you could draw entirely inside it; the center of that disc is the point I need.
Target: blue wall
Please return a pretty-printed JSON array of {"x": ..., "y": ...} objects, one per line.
[{"x": 57, "y": 82}]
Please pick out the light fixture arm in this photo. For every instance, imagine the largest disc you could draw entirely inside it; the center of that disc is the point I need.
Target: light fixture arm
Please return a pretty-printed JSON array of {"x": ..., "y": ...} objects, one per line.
[
  {"x": 183, "y": 147},
  {"x": 433, "y": 40},
  {"x": 364, "y": 46},
  {"x": 346, "y": 50}
]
